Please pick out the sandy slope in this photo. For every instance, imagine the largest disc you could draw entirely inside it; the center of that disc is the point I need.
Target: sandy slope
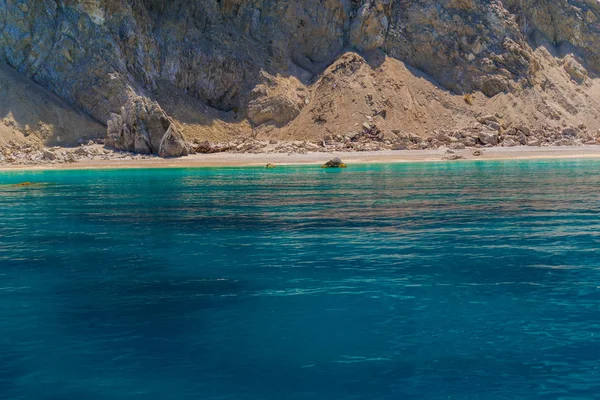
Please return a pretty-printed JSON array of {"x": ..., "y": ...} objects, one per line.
[
  {"x": 354, "y": 91},
  {"x": 29, "y": 113}
]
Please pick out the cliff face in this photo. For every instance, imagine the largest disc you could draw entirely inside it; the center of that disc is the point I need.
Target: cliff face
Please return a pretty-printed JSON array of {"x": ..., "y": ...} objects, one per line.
[{"x": 252, "y": 59}]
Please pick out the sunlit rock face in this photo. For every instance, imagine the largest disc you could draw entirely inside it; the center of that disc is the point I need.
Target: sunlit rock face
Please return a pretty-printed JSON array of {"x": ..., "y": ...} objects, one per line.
[{"x": 97, "y": 54}]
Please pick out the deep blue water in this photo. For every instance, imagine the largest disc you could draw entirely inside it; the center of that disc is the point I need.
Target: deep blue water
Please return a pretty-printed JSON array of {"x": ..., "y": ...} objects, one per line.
[{"x": 472, "y": 280}]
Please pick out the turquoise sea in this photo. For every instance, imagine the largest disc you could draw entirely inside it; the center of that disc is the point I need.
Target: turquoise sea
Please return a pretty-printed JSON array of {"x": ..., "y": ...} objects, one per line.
[{"x": 469, "y": 280}]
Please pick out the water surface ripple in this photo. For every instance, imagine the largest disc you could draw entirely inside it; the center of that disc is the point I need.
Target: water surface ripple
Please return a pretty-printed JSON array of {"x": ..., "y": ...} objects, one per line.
[{"x": 475, "y": 280}]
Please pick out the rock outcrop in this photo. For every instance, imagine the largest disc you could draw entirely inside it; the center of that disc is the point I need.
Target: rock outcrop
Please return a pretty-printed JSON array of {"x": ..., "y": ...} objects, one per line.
[
  {"x": 258, "y": 60},
  {"x": 143, "y": 127},
  {"x": 370, "y": 26},
  {"x": 276, "y": 100},
  {"x": 566, "y": 26},
  {"x": 466, "y": 45}
]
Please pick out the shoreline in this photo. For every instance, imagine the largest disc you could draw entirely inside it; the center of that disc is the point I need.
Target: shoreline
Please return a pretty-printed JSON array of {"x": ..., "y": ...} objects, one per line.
[{"x": 319, "y": 158}]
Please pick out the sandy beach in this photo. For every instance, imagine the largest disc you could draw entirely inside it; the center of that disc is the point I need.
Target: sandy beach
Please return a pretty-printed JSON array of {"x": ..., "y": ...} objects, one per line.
[{"x": 391, "y": 156}]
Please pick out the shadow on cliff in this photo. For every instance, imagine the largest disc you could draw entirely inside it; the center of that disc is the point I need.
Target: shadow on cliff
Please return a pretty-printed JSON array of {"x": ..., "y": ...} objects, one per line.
[
  {"x": 559, "y": 51},
  {"x": 186, "y": 108},
  {"x": 33, "y": 110}
]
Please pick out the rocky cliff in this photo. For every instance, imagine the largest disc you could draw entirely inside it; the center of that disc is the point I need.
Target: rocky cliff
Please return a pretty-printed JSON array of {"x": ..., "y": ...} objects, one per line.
[{"x": 160, "y": 73}]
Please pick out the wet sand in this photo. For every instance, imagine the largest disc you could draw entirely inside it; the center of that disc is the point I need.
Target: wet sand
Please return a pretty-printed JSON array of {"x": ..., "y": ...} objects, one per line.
[{"x": 388, "y": 156}]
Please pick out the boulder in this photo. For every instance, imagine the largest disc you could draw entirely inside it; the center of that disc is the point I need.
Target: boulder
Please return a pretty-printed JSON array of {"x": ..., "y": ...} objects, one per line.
[
  {"x": 48, "y": 155},
  {"x": 334, "y": 163},
  {"x": 279, "y": 109},
  {"x": 488, "y": 138},
  {"x": 508, "y": 142},
  {"x": 575, "y": 70},
  {"x": 400, "y": 146},
  {"x": 204, "y": 148},
  {"x": 570, "y": 132},
  {"x": 143, "y": 127},
  {"x": 172, "y": 144},
  {"x": 493, "y": 85},
  {"x": 524, "y": 129},
  {"x": 494, "y": 125},
  {"x": 457, "y": 146},
  {"x": 487, "y": 118},
  {"x": 565, "y": 142},
  {"x": 81, "y": 151},
  {"x": 470, "y": 141},
  {"x": 276, "y": 99}
]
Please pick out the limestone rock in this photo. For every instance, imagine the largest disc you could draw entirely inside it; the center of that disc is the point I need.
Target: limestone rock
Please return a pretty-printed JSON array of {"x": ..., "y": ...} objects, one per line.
[
  {"x": 488, "y": 138},
  {"x": 457, "y": 146},
  {"x": 487, "y": 118},
  {"x": 204, "y": 148},
  {"x": 508, "y": 142},
  {"x": 143, "y": 127},
  {"x": 524, "y": 129},
  {"x": 570, "y": 132},
  {"x": 277, "y": 101},
  {"x": 522, "y": 139},
  {"x": 48, "y": 155},
  {"x": 369, "y": 28},
  {"x": 172, "y": 144},
  {"x": 574, "y": 69}
]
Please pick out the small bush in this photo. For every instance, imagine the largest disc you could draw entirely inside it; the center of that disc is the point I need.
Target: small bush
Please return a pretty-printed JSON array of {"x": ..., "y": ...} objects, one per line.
[{"x": 469, "y": 99}]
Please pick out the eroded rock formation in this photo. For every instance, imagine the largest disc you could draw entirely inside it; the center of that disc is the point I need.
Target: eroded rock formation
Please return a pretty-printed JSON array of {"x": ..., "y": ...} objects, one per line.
[{"x": 143, "y": 127}]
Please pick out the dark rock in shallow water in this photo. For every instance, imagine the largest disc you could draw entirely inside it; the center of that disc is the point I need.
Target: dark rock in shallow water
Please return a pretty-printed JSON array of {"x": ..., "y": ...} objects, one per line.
[{"x": 335, "y": 163}]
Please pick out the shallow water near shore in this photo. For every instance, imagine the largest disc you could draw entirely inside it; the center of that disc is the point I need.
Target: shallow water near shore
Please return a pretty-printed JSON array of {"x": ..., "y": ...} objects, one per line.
[{"x": 475, "y": 280}]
